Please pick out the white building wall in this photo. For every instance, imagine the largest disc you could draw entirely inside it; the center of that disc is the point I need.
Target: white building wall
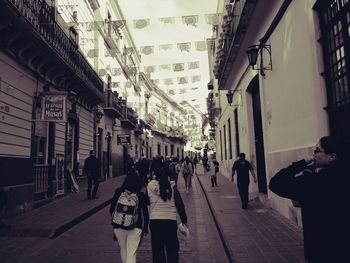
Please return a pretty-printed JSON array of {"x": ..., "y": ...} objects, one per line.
[
  {"x": 292, "y": 95},
  {"x": 16, "y": 99}
]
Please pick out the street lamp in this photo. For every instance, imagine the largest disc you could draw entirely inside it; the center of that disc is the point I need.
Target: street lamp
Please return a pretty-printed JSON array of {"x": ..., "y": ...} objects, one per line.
[
  {"x": 253, "y": 53},
  {"x": 229, "y": 96}
]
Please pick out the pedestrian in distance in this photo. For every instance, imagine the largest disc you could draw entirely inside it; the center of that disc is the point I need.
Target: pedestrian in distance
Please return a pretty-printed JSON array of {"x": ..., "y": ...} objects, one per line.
[
  {"x": 3, "y": 203},
  {"x": 243, "y": 167},
  {"x": 187, "y": 172},
  {"x": 320, "y": 186},
  {"x": 165, "y": 203},
  {"x": 213, "y": 171},
  {"x": 195, "y": 161},
  {"x": 173, "y": 173},
  {"x": 91, "y": 169},
  {"x": 130, "y": 218}
]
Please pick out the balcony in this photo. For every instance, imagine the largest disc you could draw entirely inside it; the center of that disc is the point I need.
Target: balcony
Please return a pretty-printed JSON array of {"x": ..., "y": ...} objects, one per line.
[
  {"x": 30, "y": 35},
  {"x": 114, "y": 106},
  {"x": 234, "y": 28},
  {"x": 150, "y": 119},
  {"x": 130, "y": 119}
]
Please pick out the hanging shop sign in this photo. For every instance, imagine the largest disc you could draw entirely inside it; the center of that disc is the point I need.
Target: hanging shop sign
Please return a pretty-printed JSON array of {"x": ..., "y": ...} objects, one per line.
[
  {"x": 123, "y": 139},
  {"x": 54, "y": 107}
]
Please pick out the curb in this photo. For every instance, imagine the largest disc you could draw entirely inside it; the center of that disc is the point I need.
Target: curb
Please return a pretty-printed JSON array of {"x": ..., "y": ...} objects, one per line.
[
  {"x": 228, "y": 252},
  {"x": 63, "y": 228}
]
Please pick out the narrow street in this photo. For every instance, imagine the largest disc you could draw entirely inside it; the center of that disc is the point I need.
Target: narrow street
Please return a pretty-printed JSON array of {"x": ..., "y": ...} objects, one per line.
[
  {"x": 91, "y": 240},
  {"x": 221, "y": 231}
]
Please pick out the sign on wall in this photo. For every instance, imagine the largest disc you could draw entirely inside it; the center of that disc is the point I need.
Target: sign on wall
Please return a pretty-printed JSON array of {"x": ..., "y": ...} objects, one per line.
[
  {"x": 123, "y": 139},
  {"x": 54, "y": 107}
]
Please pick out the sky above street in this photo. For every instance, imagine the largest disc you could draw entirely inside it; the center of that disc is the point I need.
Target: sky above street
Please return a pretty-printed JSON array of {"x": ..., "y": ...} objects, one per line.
[{"x": 171, "y": 38}]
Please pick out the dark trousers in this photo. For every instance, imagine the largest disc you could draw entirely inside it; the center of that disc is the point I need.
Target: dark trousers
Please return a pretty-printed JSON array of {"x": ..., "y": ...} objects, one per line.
[
  {"x": 94, "y": 190},
  {"x": 213, "y": 181},
  {"x": 243, "y": 189},
  {"x": 164, "y": 241}
]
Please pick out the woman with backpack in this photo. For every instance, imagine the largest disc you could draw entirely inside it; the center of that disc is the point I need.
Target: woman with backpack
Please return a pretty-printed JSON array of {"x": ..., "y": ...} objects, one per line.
[
  {"x": 165, "y": 202},
  {"x": 130, "y": 216}
]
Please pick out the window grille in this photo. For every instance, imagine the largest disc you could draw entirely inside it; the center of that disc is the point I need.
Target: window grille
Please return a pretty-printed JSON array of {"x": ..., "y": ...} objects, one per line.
[{"x": 335, "y": 38}]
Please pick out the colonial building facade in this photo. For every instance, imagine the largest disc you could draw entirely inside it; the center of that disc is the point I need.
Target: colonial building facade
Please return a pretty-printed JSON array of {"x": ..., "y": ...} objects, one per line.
[
  {"x": 297, "y": 92},
  {"x": 61, "y": 95}
]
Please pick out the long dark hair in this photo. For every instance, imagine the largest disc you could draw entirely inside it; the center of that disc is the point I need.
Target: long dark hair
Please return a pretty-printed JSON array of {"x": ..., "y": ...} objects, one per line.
[
  {"x": 132, "y": 182},
  {"x": 164, "y": 184}
]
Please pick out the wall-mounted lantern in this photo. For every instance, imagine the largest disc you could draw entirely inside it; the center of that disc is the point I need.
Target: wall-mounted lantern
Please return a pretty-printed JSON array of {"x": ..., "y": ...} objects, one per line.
[
  {"x": 229, "y": 96},
  {"x": 253, "y": 53}
]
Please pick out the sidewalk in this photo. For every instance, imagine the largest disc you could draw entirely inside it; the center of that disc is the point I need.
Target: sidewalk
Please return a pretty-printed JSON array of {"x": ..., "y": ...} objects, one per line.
[
  {"x": 53, "y": 219},
  {"x": 255, "y": 235}
]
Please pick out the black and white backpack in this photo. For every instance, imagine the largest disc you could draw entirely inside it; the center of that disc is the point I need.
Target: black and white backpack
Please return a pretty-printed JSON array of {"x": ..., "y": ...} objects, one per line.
[{"x": 126, "y": 210}]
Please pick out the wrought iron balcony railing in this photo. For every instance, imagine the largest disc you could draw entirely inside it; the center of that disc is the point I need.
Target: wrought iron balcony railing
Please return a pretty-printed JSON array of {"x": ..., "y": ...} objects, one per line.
[
  {"x": 114, "y": 106},
  {"x": 42, "y": 17}
]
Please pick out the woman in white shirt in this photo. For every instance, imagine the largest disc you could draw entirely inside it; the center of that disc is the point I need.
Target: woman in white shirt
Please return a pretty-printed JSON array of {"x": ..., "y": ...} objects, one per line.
[{"x": 165, "y": 202}]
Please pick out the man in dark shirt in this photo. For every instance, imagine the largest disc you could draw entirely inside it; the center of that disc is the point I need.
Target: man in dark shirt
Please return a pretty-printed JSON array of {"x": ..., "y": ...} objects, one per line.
[
  {"x": 242, "y": 167},
  {"x": 91, "y": 169}
]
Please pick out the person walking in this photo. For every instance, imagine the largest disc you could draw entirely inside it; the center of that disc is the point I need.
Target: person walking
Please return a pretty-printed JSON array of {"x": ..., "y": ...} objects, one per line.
[
  {"x": 195, "y": 161},
  {"x": 187, "y": 173},
  {"x": 130, "y": 218},
  {"x": 213, "y": 171},
  {"x": 242, "y": 167},
  {"x": 165, "y": 203},
  {"x": 91, "y": 169},
  {"x": 320, "y": 186},
  {"x": 143, "y": 169},
  {"x": 3, "y": 203}
]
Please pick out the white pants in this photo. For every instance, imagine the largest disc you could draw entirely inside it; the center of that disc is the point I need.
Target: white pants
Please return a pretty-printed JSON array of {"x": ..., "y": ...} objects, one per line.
[{"x": 128, "y": 241}]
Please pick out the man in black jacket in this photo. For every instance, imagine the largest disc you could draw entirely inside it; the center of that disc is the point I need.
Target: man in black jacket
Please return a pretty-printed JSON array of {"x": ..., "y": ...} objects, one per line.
[
  {"x": 91, "y": 169},
  {"x": 320, "y": 186},
  {"x": 242, "y": 167}
]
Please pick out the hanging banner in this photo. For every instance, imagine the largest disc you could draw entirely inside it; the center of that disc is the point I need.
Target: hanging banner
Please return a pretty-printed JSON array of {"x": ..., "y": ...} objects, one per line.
[
  {"x": 147, "y": 50},
  {"x": 190, "y": 20},
  {"x": 193, "y": 65},
  {"x": 182, "y": 80},
  {"x": 168, "y": 81},
  {"x": 165, "y": 47},
  {"x": 167, "y": 20},
  {"x": 178, "y": 67},
  {"x": 141, "y": 23},
  {"x": 54, "y": 107},
  {"x": 165, "y": 67},
  {"x": 201, "y": 45},
  {"x": 184, "y": 46}
]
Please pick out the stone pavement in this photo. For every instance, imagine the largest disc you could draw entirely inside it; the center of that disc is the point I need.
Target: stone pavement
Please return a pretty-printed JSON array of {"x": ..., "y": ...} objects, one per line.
[{"x": 255, "y": 235}]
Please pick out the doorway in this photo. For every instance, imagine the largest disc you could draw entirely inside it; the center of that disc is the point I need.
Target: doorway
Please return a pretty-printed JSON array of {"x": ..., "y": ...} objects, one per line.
[{"x": 254, "y": 91}]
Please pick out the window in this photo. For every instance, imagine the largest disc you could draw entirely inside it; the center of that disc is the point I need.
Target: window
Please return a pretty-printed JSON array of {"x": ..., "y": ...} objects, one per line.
[
  {"x": 171, "y": 149},
  {"x": 335, "y": 29},
  {"x": 225, "y": 143},
  {"x": 222, "y": 157},
  {"x": 229, "y": 138},
  {"x": 166, "y": 150},
  {"x": 236, "y": 132}
]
